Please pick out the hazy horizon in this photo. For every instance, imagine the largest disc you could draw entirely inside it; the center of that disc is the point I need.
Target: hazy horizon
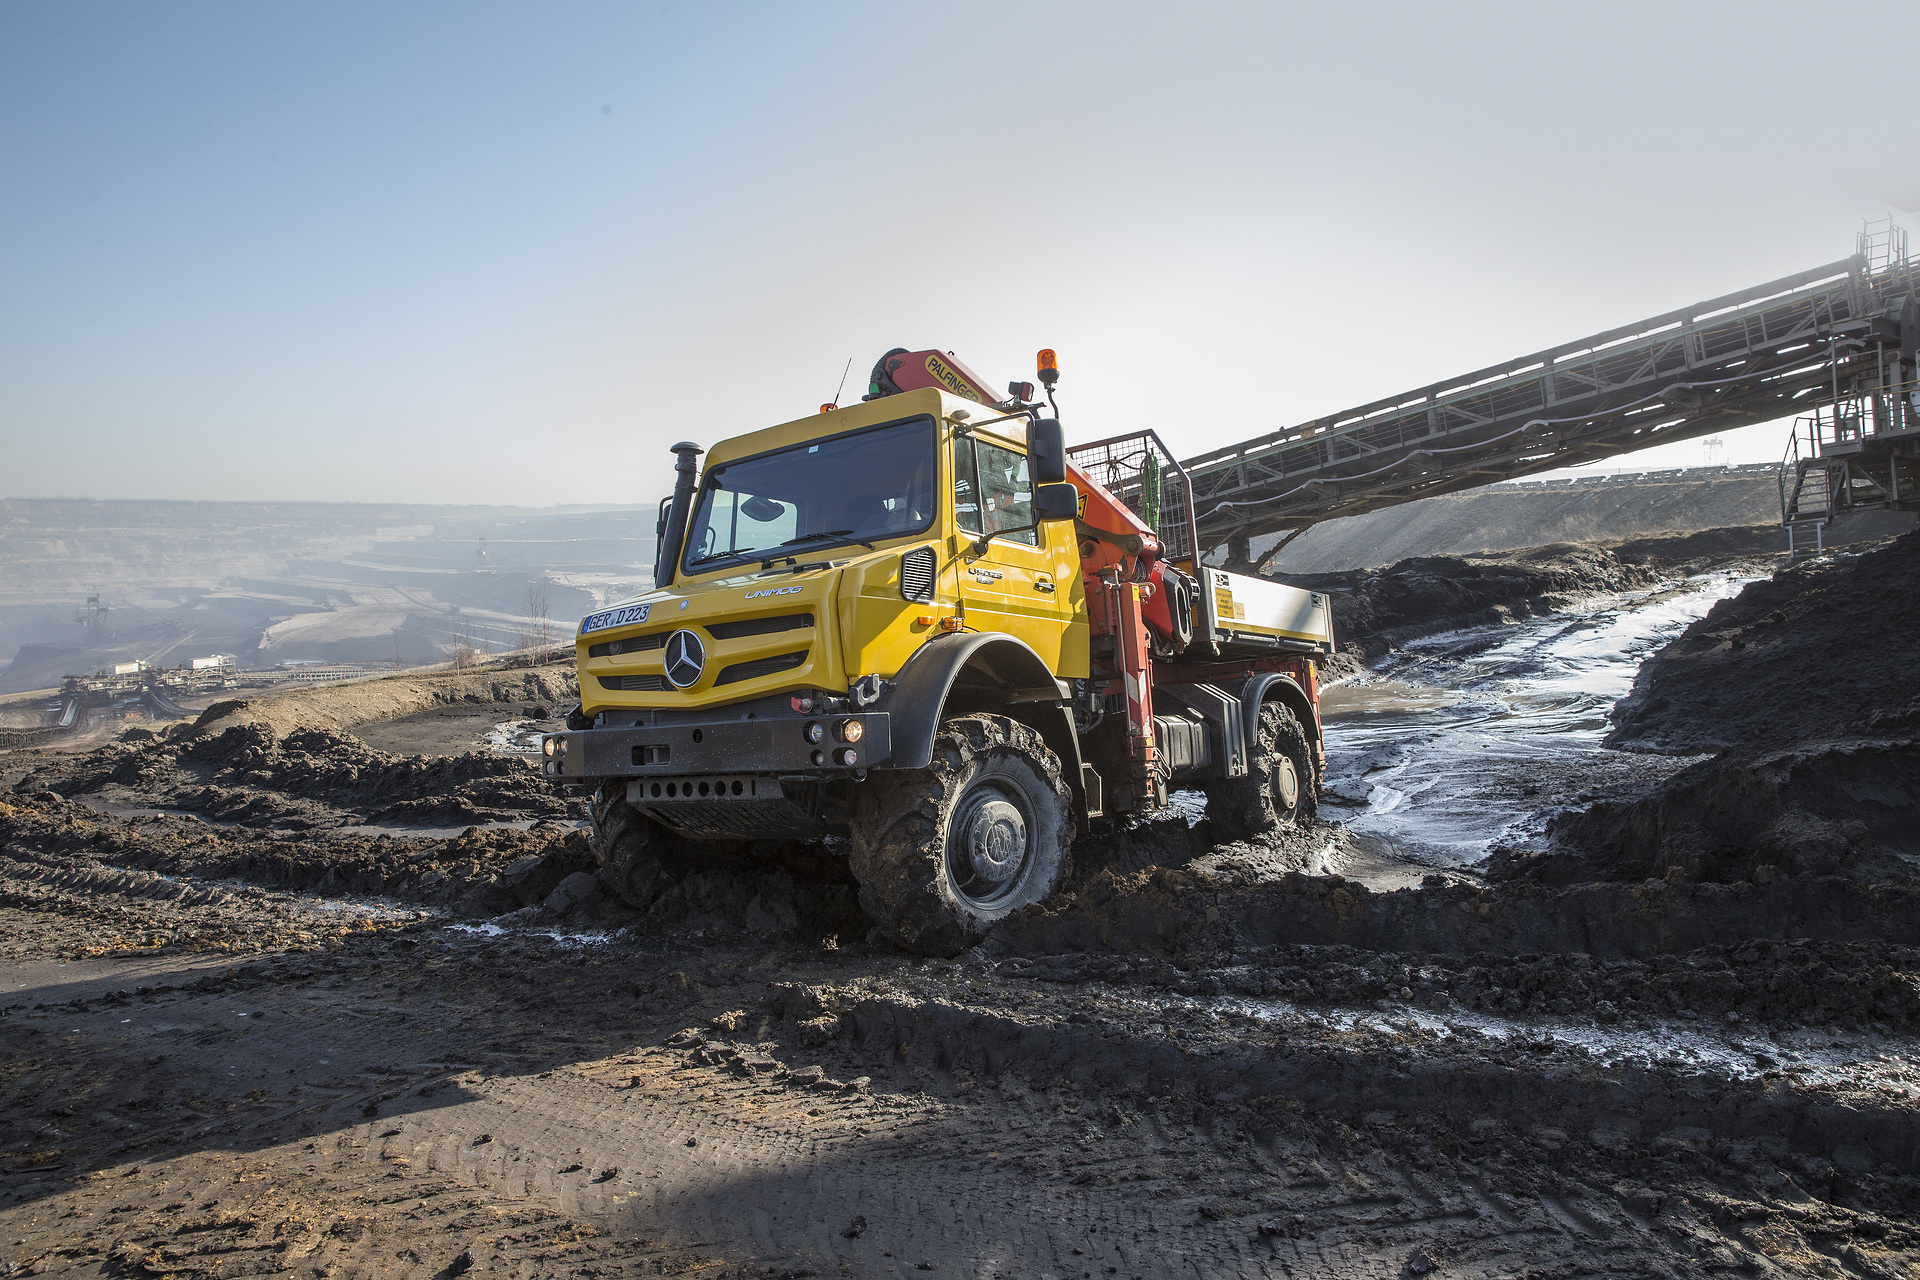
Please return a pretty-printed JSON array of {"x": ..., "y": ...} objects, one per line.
[{"x": 482, "y": 254}]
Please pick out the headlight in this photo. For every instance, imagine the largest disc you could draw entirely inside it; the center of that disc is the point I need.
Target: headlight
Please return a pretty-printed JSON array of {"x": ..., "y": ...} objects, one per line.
[
  {"x": 850, "y": 730},
  {"x": 815, "y": 731},
  {"x": 547, "y": 746}
]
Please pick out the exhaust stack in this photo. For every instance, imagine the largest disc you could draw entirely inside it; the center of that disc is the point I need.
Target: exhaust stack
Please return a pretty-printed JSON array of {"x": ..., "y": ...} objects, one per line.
[{"x": 672, "y": 530}]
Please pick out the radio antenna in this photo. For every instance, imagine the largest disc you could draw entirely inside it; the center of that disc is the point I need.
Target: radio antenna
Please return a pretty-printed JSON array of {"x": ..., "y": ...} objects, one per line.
[{"x": 843, "y": 382}]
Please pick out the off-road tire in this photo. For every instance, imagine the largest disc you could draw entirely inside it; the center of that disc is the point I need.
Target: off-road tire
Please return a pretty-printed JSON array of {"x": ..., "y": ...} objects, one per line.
[
  {"x": 904, "y": 827},
  {"x": 639, "y": 858},
  {"x": 1244, "y": 807}
]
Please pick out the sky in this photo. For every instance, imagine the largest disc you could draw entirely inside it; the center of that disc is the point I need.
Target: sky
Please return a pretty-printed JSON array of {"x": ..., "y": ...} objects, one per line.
[{"x": 510, "y": 252}]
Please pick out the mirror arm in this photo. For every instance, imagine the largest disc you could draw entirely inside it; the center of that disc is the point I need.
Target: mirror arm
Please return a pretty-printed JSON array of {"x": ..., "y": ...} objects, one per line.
[{"x": 980, "y": 546}]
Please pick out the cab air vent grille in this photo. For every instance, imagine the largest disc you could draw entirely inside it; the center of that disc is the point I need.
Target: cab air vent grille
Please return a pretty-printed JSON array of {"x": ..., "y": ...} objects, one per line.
[
  {"x": 916, "y": 575},
  {"x": 759, "y": 626},
  {"x": 760, "y": 667}
]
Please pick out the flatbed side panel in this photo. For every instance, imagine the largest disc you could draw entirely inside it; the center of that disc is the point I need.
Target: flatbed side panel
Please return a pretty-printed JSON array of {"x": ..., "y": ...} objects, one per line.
[{"x": 1260, "y": 612}]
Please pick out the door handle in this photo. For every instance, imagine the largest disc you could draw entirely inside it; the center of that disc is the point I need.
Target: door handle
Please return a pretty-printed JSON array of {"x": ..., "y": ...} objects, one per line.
[{"x": 1043, "y": 584}]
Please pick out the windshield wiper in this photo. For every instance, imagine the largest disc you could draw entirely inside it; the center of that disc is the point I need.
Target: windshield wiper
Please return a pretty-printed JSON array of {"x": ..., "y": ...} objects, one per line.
[
  {"x": 720, "y": 555},
  {"x": 830, "y": 533}
]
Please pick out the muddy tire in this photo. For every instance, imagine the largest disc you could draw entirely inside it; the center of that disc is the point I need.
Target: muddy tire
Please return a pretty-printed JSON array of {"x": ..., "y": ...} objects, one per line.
[
  {"x": 944, "y": 853},
  {"x": 639, "y": 858},
  {"x": 1279, "y": 786}
]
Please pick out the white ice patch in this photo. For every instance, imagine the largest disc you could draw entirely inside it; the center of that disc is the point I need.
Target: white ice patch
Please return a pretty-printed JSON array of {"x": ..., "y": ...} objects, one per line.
[
  {"x": 515, "y": 738},
  {"x": 599, "y": 938}
]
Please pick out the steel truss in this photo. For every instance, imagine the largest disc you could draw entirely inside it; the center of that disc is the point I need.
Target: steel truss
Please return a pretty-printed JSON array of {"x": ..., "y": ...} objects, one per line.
[{"x": 1788, "y": 346}]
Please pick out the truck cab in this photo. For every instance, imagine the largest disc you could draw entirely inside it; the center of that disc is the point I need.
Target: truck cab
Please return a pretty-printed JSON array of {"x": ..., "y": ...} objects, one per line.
[{"x": 913, "y": 623}]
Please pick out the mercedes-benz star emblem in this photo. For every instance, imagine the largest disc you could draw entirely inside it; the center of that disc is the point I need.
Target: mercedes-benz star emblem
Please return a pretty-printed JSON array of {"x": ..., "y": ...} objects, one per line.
[{"x": 686, "y": 659}]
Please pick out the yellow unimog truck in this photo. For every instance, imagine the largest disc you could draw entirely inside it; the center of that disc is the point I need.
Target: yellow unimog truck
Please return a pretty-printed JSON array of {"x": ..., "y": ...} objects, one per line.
[{"x": 923, "y": 624}]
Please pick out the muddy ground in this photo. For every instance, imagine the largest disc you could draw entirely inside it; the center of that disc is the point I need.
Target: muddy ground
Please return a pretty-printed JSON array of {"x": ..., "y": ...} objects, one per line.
[{"x": 277, "y": 1000}]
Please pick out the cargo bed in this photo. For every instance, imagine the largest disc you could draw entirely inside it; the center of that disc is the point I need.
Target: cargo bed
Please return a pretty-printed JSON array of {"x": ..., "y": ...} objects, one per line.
[{"x": 1248, "y": 617}]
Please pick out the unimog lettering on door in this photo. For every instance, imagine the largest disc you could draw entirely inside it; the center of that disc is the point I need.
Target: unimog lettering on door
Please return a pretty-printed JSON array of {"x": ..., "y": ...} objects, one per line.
[{"x": 924, "y": 623}]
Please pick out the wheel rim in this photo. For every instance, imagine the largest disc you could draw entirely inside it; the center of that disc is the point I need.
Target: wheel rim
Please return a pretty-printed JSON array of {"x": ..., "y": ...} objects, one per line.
[
  {"x": 989, "y": 845},
  {"x": 1286, "y": 785}
]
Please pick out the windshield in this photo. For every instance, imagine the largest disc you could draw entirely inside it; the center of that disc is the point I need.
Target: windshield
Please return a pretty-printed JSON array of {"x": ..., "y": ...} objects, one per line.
[{"x": 859, "y": 487}]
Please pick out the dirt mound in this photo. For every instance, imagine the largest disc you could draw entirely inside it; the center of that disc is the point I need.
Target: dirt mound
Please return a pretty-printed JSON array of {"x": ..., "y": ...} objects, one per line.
[
  {"x": 1804, "y": 686},
  {"x": 545, "y": 678},
  {"x": 1195, "y": 916},
  {"x": 1800, "y": 657},
  {"x": 312, "y": 778},
  {"x": 1843, "y": 808},
  {"x": 456, "y": 874},
  {"x": 806, "y": 898}
]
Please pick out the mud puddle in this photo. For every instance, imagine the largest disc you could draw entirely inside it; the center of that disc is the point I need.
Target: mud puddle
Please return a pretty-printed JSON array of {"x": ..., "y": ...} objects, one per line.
[
  {"x": 1810, "y": 1055},
  {"x": 1471, "y": 739}
]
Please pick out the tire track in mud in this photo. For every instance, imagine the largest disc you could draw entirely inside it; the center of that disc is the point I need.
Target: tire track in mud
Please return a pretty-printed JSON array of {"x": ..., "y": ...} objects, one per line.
[{"x": 578, "y": 1152}]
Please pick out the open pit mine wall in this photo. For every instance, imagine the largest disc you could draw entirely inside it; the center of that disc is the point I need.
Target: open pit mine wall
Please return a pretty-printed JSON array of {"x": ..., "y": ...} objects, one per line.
[{"x": 1534, "y": 513}]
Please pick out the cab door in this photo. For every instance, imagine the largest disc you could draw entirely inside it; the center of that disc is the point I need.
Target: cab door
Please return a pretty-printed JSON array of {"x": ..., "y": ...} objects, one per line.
[{"x": 1015, "y": 585}]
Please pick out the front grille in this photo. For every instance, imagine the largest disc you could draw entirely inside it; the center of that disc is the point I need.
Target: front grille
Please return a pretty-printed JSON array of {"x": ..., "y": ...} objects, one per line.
[
  {"x": 633, "y": 684},
  {"x": 759, "y": 626},
  {"x": 632, "y": 644},
  {"x": 916, "y": 575},
  {"x": 760, "y": 667}
]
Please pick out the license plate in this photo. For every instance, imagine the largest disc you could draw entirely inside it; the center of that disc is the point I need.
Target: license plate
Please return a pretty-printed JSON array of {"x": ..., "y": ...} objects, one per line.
[{"x": 614, "y": 618}]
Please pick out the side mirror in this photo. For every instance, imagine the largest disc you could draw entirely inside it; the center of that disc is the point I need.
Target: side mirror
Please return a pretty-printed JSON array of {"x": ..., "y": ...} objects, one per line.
[
  {"x": 1056, "y": 502},
  {"x": 1047, "y": 451}
]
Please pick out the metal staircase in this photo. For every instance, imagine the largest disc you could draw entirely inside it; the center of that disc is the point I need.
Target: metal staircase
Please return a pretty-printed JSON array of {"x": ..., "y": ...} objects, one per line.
[{"x": 1863, "y": 447}]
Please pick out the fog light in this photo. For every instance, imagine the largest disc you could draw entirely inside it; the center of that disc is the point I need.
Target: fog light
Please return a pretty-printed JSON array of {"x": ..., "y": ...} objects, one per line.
[
  {"x": 815, "y": 731},
  {"x": 849, "y": 730},
  {"x": 819, "y": 758},
  {"x": 847, "y": 755}
]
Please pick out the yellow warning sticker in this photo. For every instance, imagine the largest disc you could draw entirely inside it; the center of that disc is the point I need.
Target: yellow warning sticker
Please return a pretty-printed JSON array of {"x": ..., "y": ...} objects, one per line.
[{"x": 946, "y": 376}]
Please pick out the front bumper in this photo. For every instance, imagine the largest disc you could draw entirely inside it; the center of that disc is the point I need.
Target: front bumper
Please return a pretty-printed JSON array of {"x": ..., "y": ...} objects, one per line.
[{"x": 775, "y": 745}]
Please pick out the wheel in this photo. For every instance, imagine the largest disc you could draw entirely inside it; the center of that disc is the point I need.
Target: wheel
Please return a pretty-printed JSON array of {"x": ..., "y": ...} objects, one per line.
[
  {"x": 945, "y": 852},
  {"x": 1279, "y": 786},
  {"x": 640, "y": 858}
]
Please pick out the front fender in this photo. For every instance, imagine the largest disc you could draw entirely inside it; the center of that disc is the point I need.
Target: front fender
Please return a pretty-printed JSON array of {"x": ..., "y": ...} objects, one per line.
[{"x": 985, "y": 668}]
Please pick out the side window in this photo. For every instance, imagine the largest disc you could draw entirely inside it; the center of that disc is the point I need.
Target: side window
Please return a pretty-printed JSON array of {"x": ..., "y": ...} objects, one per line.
[
  {"x": 966, "y": 487},
  {"x": 1006, "y": 492}
]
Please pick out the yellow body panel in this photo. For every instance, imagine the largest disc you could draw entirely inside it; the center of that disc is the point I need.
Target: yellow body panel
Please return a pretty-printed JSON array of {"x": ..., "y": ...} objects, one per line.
[
  {"x": 1005, "y": 588},
  {"x": 861, "y": 625}
]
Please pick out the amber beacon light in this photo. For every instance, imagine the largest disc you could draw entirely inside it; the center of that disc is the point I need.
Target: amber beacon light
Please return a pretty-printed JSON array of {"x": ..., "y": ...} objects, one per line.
[{"x": 1049, "y": 367}]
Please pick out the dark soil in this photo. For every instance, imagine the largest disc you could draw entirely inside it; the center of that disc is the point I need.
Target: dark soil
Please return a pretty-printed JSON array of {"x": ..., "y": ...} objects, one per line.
[
  {"x": 1814, "y": 653},
  {"x": 1804, "y": 685},
  {"x": 248, "y": 1035},
  {"x": 312, "y": 778}
]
